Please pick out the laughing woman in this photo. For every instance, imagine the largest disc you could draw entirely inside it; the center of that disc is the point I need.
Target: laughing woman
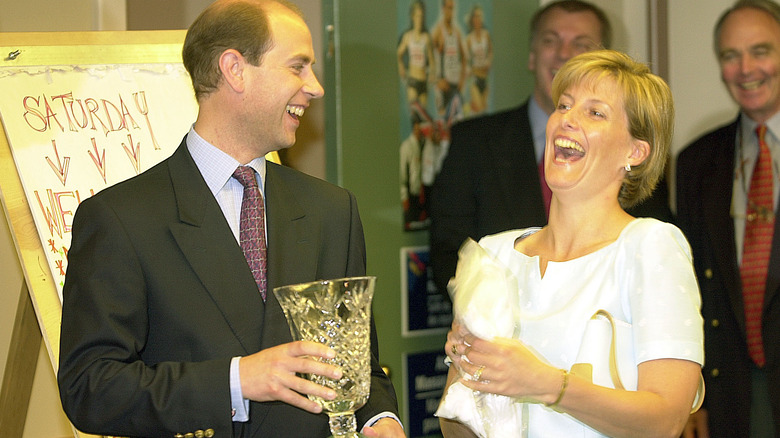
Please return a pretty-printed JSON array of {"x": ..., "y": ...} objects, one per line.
[{"x": 606, "y": 146}]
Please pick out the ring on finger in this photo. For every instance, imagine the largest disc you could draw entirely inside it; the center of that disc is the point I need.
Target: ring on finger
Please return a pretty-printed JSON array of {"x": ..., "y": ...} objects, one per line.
[
  {"x": 454, "y": 349},
  {"x": 478, "y": 374}
]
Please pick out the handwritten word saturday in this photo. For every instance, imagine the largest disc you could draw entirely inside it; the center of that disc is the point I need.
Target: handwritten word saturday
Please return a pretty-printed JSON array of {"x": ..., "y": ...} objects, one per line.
[{"x": 49, "y": 112}]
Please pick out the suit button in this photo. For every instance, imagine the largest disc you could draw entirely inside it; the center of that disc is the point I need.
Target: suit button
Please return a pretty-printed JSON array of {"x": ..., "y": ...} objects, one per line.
[
  {"x": 209, "y": 433},
  {"x": 189, "y": 435},
  {"x": 708, "y": 274},
  {"x": 178, "y": 435},
  {"x": 715, "y": 372},
  {"x": 715, "y": 323},
  {"x": 198, "y": 433}
]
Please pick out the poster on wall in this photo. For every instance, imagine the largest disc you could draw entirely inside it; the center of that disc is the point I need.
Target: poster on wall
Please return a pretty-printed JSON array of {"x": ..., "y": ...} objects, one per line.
[
  {"x": 424, "y": 310},
  {"x": 445, "y": 57},
  {"x": 425, "y": 376},
  {"x": 75, "y": 130}
]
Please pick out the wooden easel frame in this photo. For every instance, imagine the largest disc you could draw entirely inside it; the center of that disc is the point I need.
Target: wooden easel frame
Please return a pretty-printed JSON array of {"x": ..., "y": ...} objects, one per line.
[{"x": 20, "y": 367}]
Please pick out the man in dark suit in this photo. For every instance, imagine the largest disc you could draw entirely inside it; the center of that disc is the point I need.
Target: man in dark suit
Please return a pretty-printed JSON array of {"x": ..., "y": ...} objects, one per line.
[
  {"x": 715, "y": 210},
  {"x": 490, "y": 180},
  {"x": 165, "y": 329}
]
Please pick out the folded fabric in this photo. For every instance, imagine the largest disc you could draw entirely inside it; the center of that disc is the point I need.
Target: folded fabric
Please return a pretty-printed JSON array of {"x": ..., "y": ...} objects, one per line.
[{"x": 485, "y": 300}]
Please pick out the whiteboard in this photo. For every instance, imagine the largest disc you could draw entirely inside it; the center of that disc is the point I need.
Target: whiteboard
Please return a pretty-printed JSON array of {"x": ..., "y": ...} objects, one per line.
[{"x": 74, "y": 130}]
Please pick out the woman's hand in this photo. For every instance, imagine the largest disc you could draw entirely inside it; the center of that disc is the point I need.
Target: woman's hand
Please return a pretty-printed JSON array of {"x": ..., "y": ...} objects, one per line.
[
  {"x": 507, "y": 367},
  {"x": 455, "y": 346}
]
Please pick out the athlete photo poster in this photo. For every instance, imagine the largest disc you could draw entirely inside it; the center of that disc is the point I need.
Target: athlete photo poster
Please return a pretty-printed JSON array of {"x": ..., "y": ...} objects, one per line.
[{"x": 445, "y": 55}]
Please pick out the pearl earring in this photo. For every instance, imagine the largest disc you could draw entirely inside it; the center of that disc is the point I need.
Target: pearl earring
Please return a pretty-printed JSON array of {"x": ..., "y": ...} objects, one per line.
[{"x": 627, "y": 167}]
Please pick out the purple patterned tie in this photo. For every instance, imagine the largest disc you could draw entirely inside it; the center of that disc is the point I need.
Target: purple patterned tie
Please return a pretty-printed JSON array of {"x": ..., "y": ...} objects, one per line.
[{"x": 252, "y": 234}]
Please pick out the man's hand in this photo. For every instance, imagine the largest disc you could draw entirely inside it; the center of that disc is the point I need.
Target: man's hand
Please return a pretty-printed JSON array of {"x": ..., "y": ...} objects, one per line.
[
  {"x": 384, "y": 428},
  {"x": 271, "y": 374},
  {"x": 697, "y": 425}
]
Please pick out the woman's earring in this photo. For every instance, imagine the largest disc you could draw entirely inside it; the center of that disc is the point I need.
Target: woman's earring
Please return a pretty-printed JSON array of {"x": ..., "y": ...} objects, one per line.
[{"x": 627, "y": 167}]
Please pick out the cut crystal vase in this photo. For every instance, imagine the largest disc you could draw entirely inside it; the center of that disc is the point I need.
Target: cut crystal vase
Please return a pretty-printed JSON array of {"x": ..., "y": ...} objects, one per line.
[{"x": 336, "y": 313}]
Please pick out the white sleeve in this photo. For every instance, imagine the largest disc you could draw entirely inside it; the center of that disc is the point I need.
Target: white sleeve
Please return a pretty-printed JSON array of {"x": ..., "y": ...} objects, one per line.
[{"x": 663, "y": 295}]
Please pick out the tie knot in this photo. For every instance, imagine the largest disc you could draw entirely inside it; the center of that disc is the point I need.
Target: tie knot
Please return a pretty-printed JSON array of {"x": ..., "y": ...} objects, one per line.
[
  {"x": 246, "y": 176},
  {"x": 760, "y": 133}
]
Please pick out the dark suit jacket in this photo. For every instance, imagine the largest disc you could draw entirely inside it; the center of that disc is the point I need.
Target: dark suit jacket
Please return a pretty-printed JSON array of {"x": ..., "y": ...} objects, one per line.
[
  {"x": 490, "y": 183},
  {"x": 158, "y": 297},
  {"x": 705, "y": 174}
]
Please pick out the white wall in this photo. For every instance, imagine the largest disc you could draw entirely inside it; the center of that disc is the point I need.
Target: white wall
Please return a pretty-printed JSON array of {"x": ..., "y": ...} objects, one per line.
[
  {"x": 701, "y": 100},
  {"x": 61, "y": 15}
]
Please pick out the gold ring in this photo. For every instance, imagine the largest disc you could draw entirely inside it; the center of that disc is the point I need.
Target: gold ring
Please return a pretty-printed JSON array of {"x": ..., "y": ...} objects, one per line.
[
  {"x": 454, "y": 349},
  {"x": 478, "y": 373}
]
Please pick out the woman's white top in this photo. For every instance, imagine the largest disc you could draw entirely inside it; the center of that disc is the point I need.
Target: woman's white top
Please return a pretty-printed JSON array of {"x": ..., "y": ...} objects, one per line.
[{"x": 645, "y": 279}]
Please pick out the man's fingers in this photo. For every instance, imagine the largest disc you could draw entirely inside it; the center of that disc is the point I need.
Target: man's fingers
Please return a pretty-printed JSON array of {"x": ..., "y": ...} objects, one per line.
[
  {"x": 308, "y": 365},
  {"x": 301, "y": 401},
  {"x": 295, "y": 390}
]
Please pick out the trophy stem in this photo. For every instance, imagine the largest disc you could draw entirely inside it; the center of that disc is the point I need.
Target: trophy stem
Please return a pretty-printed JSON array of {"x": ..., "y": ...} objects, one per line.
[{"x": 343, "y": 425}]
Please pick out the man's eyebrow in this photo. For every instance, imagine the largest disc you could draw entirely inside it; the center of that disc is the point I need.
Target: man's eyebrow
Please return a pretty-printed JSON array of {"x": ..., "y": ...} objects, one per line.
[
  {"x": 764, "y": 46},
  {"x": 759, "y": 46},
  {"x": 305, "y": 59}
]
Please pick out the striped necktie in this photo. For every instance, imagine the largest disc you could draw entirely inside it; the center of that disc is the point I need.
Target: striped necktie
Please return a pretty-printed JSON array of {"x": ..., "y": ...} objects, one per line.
[{"x": 759, "y": 228}]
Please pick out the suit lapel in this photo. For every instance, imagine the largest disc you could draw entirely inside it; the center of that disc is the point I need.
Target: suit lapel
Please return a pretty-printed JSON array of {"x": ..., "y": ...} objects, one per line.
[
  {"x": 292, "y": 242},
  {"x": 292, "y": 248},
  {"x": 208, "y": 244},
  {"x": 717, "y": 215},
  {"x": 773, "y": 276}
]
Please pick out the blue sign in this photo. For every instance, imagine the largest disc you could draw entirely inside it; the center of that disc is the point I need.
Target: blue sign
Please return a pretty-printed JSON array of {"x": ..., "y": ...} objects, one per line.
[{"x": 425, "y": 376}]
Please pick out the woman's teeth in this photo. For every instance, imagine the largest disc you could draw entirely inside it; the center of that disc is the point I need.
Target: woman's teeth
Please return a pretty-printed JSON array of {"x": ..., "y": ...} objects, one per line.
[
  {"x": 566, "y": 149},
  {"x": 568, "y": 144}
]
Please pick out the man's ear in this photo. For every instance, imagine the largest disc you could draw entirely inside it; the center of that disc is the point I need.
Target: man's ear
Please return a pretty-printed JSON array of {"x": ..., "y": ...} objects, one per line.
[{"x": 231, "y": 65}]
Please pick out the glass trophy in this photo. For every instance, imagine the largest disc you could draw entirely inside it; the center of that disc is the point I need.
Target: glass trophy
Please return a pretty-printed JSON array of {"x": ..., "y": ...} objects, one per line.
[{"x": 336, "y": 313}]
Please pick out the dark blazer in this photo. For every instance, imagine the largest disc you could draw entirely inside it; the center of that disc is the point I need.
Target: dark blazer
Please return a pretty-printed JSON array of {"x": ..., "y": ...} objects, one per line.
[
  {"x": 705, "y": 175},
  {"x": 158, "y": 298},
  {"x": 489, "y": 182}
]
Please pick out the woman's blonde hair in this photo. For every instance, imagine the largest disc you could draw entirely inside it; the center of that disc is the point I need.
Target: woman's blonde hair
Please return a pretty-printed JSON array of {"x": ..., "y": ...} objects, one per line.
[{"x": 649, "y": 107}]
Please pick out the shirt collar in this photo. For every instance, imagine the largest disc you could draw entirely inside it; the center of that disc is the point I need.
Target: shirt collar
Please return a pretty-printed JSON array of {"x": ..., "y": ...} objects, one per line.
[
  {"x": 216, "y": 166},
  {"x": 538, "y": 119},
  {"x": 748, "y": 126}
]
